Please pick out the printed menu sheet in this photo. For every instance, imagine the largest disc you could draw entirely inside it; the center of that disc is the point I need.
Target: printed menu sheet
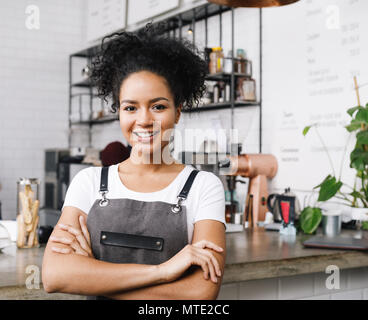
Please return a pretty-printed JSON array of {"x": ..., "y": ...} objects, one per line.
[{"x": 317, "y": 48}]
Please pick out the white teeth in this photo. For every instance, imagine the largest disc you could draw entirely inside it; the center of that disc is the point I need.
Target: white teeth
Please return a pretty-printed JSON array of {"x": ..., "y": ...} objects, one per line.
[{"x": 144, "y": 134}]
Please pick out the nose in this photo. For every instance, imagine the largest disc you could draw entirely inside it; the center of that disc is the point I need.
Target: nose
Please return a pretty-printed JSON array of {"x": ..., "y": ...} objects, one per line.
[{"x": 144, "y": 117}]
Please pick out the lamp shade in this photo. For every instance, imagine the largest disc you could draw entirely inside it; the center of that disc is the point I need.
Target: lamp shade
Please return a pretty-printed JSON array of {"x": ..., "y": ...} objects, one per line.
[{"x": 253, "y": 3}]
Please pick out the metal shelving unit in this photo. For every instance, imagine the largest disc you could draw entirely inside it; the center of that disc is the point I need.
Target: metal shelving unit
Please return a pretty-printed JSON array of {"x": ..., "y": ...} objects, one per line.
[{"x": 177, "y": 22}]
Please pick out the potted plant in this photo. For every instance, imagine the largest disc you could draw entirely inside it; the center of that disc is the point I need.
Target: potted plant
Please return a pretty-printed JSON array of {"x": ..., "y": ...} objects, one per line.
[{"x": 331, "y": 186}]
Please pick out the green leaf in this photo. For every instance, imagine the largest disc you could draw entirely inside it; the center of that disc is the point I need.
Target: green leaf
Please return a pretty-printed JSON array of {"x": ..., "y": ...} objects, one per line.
[
  {"x": 310, "y": 218},
  {"x": 358, "y": 159},
  {"x": 362, "y": 115},
  {"x": 354, "y": 125},
  {"x": 325, "y": 179},
  {"x": 365, "y": 225},
  {"x": 306, "y": 129},
  {"x": 362, "y": 138},
  {"x": 329, "y": 188},
  {"x": 352, "y": 110}
]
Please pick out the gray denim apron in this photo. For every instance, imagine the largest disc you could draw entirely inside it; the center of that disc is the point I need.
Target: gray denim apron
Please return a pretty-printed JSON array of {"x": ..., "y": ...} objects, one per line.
[{"x": 132, "y": 231}]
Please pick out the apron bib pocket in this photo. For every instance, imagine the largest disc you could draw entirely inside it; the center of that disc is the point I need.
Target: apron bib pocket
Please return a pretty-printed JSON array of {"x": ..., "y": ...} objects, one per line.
[{"x": 131, "y": 241}]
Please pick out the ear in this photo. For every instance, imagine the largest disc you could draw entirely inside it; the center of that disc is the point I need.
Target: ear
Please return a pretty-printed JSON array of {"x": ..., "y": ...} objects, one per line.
[{"x": 178, "y": 113}]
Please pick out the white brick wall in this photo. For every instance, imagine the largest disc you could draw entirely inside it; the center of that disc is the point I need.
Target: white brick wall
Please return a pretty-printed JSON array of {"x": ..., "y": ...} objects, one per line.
[{"x": 34, "y": 87}]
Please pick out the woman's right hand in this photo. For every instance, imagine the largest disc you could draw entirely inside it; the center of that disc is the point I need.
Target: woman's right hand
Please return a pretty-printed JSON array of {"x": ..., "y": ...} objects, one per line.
[{"x": 193, "y": 254}]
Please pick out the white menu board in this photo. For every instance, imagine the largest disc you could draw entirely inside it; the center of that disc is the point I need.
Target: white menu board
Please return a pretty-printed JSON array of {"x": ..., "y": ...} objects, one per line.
[
  {"x": 105, "y": 17},
  {"x": 139, "y": 10},
  {"x": 312, "y": 50}
]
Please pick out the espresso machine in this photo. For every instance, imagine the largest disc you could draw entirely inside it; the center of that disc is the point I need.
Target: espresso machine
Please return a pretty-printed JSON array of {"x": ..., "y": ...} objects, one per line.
[{"x": 257, "y": 167}]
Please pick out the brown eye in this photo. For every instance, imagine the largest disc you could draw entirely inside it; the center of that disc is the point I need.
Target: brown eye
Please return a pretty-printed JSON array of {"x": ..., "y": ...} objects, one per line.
[
  {"x": 160, "y": 107},
  {"x": 129, "y": 108}
]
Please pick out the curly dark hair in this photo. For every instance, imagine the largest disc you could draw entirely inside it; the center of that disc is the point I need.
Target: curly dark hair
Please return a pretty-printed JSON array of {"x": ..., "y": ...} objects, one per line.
[{"x": 150, "y": 49}]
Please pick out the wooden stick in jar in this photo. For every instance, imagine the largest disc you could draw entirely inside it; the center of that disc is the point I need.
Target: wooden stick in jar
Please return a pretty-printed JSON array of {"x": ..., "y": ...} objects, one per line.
[
  {"x": 26, "y": 212},
  {"x": 29, "y": 194},
  {"x": 32, "y": 234},
  {"x": 35, "y": 207},
  {"x": 21, "y": 231}
]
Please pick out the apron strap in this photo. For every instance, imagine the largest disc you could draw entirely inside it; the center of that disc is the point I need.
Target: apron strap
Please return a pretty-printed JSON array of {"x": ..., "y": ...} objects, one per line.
[
  {"x": 188, "y": 184},
  {"x": 176, "y": 208},
  {"x": 103, "y": 186},
  {"x": 104, "y": 179}
]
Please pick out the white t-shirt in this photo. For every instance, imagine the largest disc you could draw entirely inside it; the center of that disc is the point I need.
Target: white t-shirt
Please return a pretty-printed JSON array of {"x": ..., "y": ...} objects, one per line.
[{"x": 206, "y": 199}]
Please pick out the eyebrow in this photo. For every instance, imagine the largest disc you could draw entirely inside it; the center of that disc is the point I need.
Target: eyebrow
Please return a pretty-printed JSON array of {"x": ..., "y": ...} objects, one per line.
[{"x": 150, "y": 101}]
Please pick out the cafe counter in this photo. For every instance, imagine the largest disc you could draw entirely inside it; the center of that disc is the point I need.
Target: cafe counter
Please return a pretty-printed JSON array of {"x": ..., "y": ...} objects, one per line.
[{"x": 259, "y": 265}]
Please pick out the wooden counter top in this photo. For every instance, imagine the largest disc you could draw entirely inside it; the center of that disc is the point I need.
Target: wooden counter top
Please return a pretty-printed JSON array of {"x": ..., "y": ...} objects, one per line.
[
  {"x": 260, "y": 254},
  {"x": 251, "y": 255}
]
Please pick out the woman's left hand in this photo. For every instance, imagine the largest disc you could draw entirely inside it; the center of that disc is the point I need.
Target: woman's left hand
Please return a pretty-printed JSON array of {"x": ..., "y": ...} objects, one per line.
[{"x": 79, "y": 241}]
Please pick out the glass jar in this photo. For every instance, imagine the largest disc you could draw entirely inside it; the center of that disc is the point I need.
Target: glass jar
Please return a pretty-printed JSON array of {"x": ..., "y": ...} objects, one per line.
[
  {"x": 246, "y": 89},
  {"x": 228, "y": 62},
  {"x": 28, "y": 204},
  {"x": 216, "y": 60}
]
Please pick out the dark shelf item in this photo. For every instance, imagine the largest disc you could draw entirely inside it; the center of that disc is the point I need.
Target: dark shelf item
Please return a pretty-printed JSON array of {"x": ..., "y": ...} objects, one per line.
[
  {"x": 98, "y": 121},
  {"x": 222, "y": 76},
  {"x": 84, "y": 83}
]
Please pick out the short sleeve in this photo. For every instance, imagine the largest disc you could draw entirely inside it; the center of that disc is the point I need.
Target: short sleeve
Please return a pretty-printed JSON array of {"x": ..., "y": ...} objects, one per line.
[
  {"x": 211, "y": 200},
  {"x": 80, "y": 193}
]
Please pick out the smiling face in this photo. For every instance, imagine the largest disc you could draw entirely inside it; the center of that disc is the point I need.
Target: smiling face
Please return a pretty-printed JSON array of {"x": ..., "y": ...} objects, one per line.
[{"x": 147, "y": 111}]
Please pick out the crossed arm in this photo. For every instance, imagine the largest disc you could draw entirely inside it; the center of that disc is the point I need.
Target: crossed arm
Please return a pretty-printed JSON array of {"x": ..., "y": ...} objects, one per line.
[{"x": 75, "y": 273}]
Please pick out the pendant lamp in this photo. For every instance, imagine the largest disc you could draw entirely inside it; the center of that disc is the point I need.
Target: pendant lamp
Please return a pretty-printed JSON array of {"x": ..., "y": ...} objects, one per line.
[{"x": 253, "y": 3}]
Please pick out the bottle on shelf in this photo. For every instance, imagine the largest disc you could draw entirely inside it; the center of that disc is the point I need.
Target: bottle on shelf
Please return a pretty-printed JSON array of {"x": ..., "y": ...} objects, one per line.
[
  {"x": 207, "y": 53},
  {"x": 227, "y": 92},
  {"x": 246, "y": 89},
  {"x": 241, "y": 62},
  {"x": 228, "y": 62},
  {"x": 216, "y": 60},
  {"x": 216, "y": 93},
  {"x": 221, "y": 91},
  {"x": 208, "y": 95}
]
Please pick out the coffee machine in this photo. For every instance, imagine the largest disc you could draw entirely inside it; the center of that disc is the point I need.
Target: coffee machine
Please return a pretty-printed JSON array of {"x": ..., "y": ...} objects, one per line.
[{"x": 257, "y": 167}]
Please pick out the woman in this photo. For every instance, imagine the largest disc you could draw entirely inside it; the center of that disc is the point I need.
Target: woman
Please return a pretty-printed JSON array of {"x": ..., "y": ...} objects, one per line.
[{"x": 148, "y": 227}]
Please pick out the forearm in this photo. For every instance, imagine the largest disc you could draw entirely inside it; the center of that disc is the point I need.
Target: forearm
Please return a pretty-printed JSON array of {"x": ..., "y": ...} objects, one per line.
[
  {"x": 78, "y": 274},
  {"x": 191, "y": 286}
]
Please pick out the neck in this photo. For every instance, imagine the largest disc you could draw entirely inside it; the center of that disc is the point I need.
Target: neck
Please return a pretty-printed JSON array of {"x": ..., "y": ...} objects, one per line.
[{"x": 150, "y": 163}]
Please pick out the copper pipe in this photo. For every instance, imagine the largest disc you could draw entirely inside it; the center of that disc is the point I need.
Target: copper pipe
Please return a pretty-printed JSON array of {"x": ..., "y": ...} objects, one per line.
[{"x": 252, "y": 165}]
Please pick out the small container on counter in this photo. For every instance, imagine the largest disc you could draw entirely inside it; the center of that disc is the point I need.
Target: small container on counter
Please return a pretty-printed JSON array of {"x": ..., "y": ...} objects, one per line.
[
  {"x": 238, "y": 218},
  {"x": 331, "y": 223},
  {"x": 229, "y": 214},
  {"x": 27, "y": 212}
]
